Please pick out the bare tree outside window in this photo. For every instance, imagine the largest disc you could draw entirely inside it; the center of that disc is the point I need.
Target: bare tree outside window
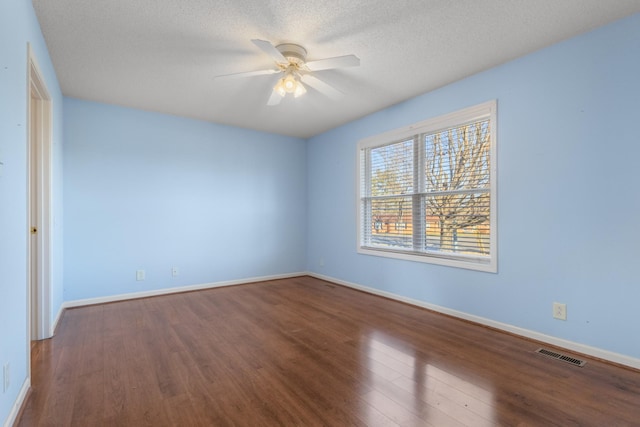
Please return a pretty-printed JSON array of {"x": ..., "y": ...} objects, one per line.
[{"x": 457, "y": 187}]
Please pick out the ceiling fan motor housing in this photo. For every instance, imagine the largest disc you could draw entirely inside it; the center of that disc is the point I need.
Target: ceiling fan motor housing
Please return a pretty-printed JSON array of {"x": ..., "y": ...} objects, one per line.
[{"x": 293, "y": 52}]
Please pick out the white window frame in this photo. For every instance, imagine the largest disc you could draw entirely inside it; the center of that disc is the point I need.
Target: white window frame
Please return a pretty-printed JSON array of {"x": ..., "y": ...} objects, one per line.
[{"x": 457, "y": 118}]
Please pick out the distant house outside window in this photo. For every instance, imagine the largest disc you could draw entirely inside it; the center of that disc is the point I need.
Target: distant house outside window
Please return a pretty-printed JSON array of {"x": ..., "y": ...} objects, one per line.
[{"x": 427, "y": 192}]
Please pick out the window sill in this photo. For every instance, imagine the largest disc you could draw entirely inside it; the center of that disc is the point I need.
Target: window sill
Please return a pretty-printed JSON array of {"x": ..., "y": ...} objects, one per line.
[{"x": 459, "y": 261}]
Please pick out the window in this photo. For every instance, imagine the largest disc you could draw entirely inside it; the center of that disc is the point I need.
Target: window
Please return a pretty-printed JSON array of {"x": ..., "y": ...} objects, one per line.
[{"x": 427, "y": 191}]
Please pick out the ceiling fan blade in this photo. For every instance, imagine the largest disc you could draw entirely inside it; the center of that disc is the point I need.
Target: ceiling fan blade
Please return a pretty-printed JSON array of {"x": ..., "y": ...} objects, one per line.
[
  {"x": 321, "y": 86},
  {"x": 274, "y": 99},
  {"x": 247, "y": 74},
  {"x": 335, "y": 62},
  {"x": 270, "y": 50}
]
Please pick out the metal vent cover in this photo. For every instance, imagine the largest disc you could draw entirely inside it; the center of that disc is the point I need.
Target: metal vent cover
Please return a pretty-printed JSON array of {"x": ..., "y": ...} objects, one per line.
[{"x": 560, "y": 356}]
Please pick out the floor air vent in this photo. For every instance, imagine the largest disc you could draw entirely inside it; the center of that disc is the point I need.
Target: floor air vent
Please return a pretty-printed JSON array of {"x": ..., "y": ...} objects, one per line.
[{"x": 559, "y": 356}]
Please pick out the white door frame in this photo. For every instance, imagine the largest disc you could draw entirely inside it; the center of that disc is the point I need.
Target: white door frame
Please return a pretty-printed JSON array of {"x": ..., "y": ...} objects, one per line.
[{"x": 39, "y": 139}]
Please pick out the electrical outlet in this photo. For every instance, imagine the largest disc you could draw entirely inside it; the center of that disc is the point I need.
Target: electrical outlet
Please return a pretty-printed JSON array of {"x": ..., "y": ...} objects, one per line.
[
  {"x": 559, "y": 311},
  {"x": 140, "y": 275},
  {"x": 175, "y": 271},
  {"x": 6, "y": 377},
  {"x": 321, "y": 262}
]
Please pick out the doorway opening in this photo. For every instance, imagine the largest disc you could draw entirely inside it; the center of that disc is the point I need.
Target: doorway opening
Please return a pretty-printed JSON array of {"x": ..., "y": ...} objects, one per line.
[{"x": 39, "y": 131}]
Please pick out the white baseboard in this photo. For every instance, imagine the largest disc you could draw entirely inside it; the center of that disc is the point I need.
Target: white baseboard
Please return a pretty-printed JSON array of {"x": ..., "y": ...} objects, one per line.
[
  {"x": 188, "y": 288},
  {"x": 15, "y": 410},
  {"x": 54, "y": 325},
  {"x": 558, "y": 342}
]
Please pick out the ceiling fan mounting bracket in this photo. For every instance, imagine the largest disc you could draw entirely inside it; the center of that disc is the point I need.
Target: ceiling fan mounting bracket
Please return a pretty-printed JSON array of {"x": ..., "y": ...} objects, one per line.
[{"x": 295, "y": 53}]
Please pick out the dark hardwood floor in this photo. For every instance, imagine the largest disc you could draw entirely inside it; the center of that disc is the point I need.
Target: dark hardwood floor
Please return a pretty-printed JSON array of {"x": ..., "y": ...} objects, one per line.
[{"x": 304, "y": 352}]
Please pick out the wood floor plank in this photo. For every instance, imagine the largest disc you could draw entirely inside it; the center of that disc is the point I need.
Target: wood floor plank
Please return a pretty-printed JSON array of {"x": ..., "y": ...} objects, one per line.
[{"x": 306, "y": 352}]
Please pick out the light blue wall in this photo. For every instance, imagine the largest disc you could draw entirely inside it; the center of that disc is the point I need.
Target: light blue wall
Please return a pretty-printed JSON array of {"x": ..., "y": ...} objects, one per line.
[
  {"x": 150, "y": 191},
  {"x": 568, "y": 204},
  {"x": 19, "y": 26}
]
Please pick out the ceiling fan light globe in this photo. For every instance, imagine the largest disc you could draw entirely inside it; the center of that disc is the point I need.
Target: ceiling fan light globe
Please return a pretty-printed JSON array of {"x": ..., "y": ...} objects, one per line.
[
  {"x": 300, "y": 90},
  {"x": 290, "y": 83},
  {"x": 280, "y": 88}
]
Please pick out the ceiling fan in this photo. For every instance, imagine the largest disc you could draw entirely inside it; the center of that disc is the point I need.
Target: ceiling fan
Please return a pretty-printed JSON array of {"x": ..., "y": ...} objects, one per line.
[{"x": 291, "y": 61}]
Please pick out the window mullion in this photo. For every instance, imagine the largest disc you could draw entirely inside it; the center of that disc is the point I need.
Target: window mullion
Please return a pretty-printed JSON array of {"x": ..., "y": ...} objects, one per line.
[
  {"x": 418, "y": 208},
  {"x": 365, "y": 189}
]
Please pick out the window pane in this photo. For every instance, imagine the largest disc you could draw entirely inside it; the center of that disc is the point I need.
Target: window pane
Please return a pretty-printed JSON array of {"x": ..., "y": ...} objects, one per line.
[
  {"x": 392, "y": 169},
  {"x": 458, "y": 158},
  {"x": 391, "y": 223},
  {"x": 458, "y": 223}
]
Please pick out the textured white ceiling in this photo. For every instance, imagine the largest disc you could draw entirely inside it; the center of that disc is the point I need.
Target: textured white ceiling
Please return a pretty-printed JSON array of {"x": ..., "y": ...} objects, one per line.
[{"x": 162, "y": 55}]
